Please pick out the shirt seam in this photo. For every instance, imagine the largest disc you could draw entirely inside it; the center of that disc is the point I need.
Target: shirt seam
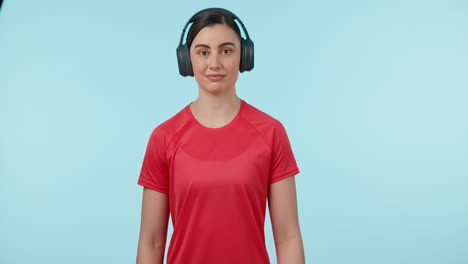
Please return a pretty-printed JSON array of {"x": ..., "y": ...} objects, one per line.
[{"x": 261, "y": 135}]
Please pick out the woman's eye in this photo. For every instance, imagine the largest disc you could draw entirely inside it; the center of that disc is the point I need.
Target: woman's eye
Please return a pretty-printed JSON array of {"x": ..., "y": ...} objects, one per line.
[
  {"x": 227, "y": 51},
  {"x": 202, "y": 52}
]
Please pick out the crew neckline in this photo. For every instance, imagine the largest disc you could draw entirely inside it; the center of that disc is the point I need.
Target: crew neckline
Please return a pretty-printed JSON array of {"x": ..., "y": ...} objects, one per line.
[{"x": 216, "y": 129}]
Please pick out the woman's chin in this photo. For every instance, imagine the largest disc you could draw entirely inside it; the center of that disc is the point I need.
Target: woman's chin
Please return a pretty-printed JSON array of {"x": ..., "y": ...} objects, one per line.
[{"x": 214, "y": 87}]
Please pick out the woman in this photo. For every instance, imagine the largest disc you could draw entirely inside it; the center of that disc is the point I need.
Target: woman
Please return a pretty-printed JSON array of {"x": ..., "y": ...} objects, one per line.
[{"x": 213, "y": 165}]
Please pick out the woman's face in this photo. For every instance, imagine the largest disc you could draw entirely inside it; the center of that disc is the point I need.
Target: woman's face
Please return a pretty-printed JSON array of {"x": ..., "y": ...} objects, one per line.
[{"x": 215, "y": 55}]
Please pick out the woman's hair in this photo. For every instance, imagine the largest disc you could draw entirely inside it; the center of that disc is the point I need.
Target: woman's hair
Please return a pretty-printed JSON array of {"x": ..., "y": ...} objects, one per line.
[{"x": 210, "y": 18}]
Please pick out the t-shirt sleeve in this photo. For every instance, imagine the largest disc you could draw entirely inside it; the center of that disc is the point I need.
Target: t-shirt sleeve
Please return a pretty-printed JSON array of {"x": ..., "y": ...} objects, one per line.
[
  {"x": 154, "y": 172},
  {"x": 283, "y": 162}
]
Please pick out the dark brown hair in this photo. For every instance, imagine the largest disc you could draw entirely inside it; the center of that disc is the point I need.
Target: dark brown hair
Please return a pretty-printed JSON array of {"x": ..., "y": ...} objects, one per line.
[{"x": 210, "y": 18}]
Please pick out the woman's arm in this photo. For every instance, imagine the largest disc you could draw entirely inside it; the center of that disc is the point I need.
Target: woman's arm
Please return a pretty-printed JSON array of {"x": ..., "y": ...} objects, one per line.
[
  {"x": 282, "y": 204},
  {"x": 153, "y": 230}
]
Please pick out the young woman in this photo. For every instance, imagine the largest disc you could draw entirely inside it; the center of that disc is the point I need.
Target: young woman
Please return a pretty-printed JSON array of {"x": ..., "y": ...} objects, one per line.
[{"x": 213, "y": 165}]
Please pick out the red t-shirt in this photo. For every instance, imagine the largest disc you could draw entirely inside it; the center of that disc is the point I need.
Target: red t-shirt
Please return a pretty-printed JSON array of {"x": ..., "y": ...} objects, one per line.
[{"x": 217, "y": 181}]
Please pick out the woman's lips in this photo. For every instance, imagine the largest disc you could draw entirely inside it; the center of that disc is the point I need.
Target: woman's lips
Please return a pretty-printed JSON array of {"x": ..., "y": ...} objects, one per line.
[{"x": 215, "y": 77}]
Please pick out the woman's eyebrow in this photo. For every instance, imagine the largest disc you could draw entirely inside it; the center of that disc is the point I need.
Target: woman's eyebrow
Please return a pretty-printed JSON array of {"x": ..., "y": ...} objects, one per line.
[{"x": 220, "y": 45}]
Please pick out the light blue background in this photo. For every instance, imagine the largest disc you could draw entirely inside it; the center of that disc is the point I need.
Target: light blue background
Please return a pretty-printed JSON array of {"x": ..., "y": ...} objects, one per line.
[{"x": 373, "y": 95}]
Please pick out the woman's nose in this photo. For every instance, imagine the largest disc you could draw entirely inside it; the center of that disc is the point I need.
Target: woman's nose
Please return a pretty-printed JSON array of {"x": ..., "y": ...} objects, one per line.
[{"x": 214, "y": 61}]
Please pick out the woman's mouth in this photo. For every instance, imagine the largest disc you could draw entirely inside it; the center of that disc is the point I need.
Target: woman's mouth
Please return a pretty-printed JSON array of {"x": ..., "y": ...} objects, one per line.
[{"x": 215, "y": 77}]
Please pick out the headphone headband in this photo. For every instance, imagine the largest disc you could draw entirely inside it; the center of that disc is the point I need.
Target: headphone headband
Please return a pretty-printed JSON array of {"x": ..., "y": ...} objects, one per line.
[{"x": 213, "y": 9}]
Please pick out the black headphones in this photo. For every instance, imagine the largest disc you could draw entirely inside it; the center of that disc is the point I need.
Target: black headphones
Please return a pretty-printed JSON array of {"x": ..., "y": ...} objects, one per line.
[{"x": 247, "y": 47}]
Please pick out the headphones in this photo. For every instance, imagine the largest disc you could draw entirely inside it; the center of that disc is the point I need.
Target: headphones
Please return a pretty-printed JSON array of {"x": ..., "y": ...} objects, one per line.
[{"x": 247, "y": 47}]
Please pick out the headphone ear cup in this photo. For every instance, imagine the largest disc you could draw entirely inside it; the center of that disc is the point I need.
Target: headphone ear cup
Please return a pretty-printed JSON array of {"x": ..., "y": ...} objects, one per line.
[
  {"x": 247, "y": 56},
  {"x": 183, "y": 60},
  {"x": 243, "y": 59}
]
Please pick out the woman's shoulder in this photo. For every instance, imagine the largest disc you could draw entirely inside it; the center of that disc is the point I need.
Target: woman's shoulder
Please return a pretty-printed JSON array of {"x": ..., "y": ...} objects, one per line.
[
  {"x": 173, "y": 124},
  {"x": 256, "y": 115}
]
